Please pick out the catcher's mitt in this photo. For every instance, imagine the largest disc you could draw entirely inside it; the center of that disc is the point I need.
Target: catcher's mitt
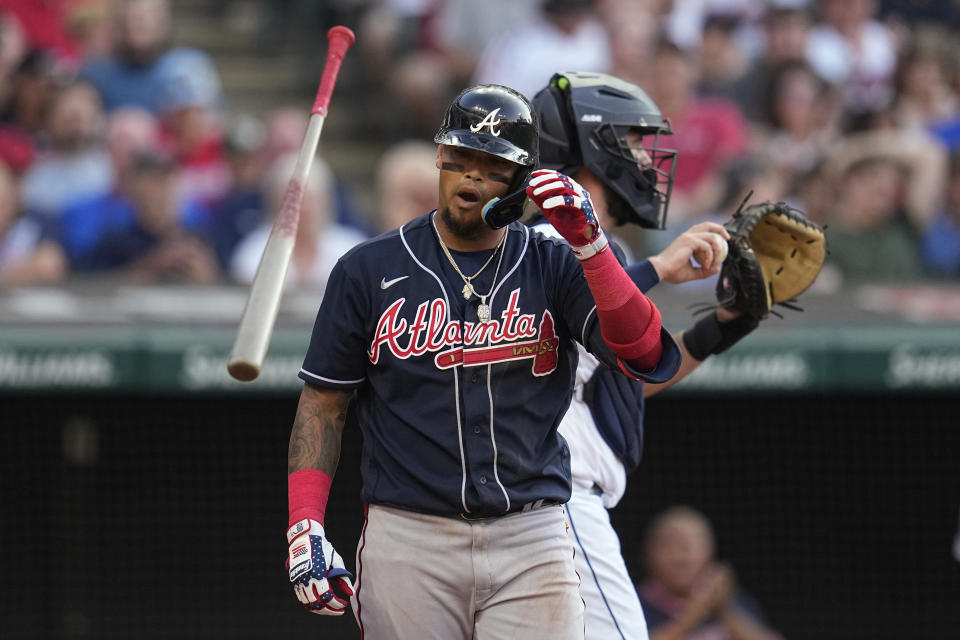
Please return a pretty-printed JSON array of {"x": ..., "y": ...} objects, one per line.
[{"x": 775, "y": 253}]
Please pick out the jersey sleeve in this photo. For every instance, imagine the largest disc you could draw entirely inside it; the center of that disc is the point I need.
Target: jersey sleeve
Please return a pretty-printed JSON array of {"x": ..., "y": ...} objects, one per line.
[
  {"x": 580, "y": 312},
  {"x": 336, "y": 357}
]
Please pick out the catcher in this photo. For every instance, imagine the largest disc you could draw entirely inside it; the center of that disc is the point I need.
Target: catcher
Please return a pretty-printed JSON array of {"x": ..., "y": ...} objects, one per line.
[{"x": 607, "y": 134}]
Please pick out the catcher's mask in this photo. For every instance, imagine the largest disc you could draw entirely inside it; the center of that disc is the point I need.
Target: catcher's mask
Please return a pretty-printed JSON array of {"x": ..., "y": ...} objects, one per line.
[
  {"x": 498, "y": 120},
  {"x": 585, "y": 119}
]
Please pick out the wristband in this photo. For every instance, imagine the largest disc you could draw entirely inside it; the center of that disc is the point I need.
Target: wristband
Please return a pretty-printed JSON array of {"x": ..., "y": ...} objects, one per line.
[
  {"x": 307, "y": 492},
  {"x": 592, "y": 248},
  {"x": 710, "y": 336}
]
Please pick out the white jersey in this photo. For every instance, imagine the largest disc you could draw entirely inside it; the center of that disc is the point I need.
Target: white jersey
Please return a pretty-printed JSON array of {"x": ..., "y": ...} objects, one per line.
[{"x": 592, "y": 462}]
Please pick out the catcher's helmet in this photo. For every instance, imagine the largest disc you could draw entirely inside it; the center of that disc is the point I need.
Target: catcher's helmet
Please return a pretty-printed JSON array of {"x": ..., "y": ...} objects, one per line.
[
  {"x": 585, "y": 118},
  {"x": 493, "y": 119}
]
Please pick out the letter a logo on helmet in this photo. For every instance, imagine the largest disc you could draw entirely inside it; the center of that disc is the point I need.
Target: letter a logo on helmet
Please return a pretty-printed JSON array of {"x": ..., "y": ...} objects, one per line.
[
  {"x": 493, "y": 119},
  {"x": 488, "y": 121}
]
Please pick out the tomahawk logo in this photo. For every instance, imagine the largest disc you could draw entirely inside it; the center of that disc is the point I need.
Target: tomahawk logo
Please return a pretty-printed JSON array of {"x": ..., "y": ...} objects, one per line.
[{"x": 489, "y": 121}]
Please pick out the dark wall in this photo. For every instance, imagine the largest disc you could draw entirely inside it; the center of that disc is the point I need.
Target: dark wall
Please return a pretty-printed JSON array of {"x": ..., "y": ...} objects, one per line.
[
  {"x": 837, "y": 514},
  {"x": 164, "y": 517}
]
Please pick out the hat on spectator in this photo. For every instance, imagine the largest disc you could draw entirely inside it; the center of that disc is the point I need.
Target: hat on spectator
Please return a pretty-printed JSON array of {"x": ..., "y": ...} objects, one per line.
[{"x": 188, "y": 79}]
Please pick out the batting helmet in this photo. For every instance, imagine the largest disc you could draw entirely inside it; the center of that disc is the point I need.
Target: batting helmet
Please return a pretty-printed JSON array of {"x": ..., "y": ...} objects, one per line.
[
  {"x": 493, "y": 119},
  {"x": 585, "y": 119}
]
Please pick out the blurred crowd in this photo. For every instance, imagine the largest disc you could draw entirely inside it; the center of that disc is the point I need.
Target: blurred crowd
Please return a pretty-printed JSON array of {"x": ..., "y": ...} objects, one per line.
[{"x": 121, "y": 154}]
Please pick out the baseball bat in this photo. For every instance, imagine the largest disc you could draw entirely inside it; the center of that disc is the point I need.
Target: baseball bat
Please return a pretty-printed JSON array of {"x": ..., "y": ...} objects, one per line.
[{"x": 260, "y": 312}]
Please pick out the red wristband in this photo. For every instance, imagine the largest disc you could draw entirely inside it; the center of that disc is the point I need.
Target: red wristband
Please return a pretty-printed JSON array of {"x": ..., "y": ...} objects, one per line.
[{"x": 307, "y": 492}]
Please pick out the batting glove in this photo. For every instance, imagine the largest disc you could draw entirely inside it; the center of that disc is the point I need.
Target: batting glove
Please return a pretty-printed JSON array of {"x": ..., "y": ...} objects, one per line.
[
  {"x": 568, "y": 207},
  {"x": 321, "y": 582}
]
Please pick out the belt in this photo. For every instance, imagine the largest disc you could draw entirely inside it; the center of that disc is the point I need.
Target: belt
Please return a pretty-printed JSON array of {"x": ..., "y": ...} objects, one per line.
[{"x": 530, "y": 506}]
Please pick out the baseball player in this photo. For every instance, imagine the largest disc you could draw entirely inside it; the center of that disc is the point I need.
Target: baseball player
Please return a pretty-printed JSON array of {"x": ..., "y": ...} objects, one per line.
[
  {"x": 606, "y": 134},
  {"x": 458, "y": 341}
]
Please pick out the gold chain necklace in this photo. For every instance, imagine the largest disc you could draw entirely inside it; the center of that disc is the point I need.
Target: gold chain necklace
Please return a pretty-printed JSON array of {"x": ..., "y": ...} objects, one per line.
[{"x": 483, "y": 311}]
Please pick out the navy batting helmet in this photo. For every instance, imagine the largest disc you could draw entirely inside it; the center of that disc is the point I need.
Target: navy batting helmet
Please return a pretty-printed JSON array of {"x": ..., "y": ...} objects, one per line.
[
  {"x": 585, "y": 119},
  {"x": 493, "y": 119}
]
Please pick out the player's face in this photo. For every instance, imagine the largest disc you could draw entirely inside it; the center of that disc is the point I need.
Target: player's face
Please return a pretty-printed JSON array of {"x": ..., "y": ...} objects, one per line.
[
  {"x": 635, "y": 141},
  {"x": 468, "y": 180}
]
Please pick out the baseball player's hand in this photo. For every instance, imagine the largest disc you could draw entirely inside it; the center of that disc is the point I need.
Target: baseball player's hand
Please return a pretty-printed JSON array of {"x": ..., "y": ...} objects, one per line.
[
  {"x": 321, "y": 582},
  {"x": 568, "y": 207},
  {"x": 705, "y": 242}
]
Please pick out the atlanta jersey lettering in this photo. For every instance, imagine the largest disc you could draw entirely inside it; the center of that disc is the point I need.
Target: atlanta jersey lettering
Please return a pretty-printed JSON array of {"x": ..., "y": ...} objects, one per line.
[{"x": 460, "y": 415}]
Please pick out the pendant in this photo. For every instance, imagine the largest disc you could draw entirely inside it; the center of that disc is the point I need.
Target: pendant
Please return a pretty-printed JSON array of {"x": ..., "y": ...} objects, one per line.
[
  {"x": 483, "y": 311},
  {"x": 468, "y": 291}
]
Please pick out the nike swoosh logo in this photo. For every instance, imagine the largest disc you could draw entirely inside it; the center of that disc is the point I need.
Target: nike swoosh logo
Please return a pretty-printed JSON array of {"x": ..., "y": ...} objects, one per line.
[{"x": 386, "y": 284}]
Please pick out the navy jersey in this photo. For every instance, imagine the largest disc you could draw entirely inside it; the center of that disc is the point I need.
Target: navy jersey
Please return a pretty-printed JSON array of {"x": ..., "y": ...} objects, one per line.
[{"x": 459, "y": 415}]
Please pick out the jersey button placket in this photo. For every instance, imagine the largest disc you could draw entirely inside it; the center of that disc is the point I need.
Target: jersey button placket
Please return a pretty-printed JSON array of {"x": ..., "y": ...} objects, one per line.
[{"x": 476, "y": 429}]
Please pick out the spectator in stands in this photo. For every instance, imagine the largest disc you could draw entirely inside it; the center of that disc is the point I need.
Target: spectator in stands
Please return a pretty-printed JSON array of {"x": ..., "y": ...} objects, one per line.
[
  {"x": 137, "y": 72},
  {"x": 706, "y": 133},
  {"x": 189, "y": 108},
  {"x": 163, "y": 243},
  {"x": 90, "y": 23},
  {"x": 72, "y": 163},
  {"x": 924, "y": 98},
  {"x": 684, "y": 22},
  {"x": 84, "y": 222},
  {"x": 129, "y": 77},
  {"x": 855, "y": 52},
  {"x": 688, "y": 594},
  {"x": 29, "y": 253},
  {"x": 941, "y": 242},
  {"x": 461, "y": 33},
  {"x": 32, "y": 85},
  {"x": 566, "y": 35},
  {"x": 633, "y": 31},
  {"x": 406, "y": 183},
  {"x": 724, "y": 61},
  {"x": 786, "y": 29},
  {"x": 403, "y": 56},
  {"x": 13, "y": 46},
  {"x": 45, "y": 26},
  {"x": 801, "y": 123},
  {"x": 129, "y": 131},
  {"x": 870, "y": 233},
  {"x": 242, "y": 210},
  {"x": 320, "y": 240},
  {"x": 286, "y": 126}
]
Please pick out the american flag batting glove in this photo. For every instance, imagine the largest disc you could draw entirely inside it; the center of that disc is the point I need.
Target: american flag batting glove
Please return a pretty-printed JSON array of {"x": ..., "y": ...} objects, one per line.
[
  {"x": 568, "y": 207},
  {"x": 320, "y": 581}
]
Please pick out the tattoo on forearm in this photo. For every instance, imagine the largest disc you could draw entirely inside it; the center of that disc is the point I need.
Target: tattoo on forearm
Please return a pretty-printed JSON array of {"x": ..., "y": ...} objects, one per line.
[{"x": 315, "y": 437}]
